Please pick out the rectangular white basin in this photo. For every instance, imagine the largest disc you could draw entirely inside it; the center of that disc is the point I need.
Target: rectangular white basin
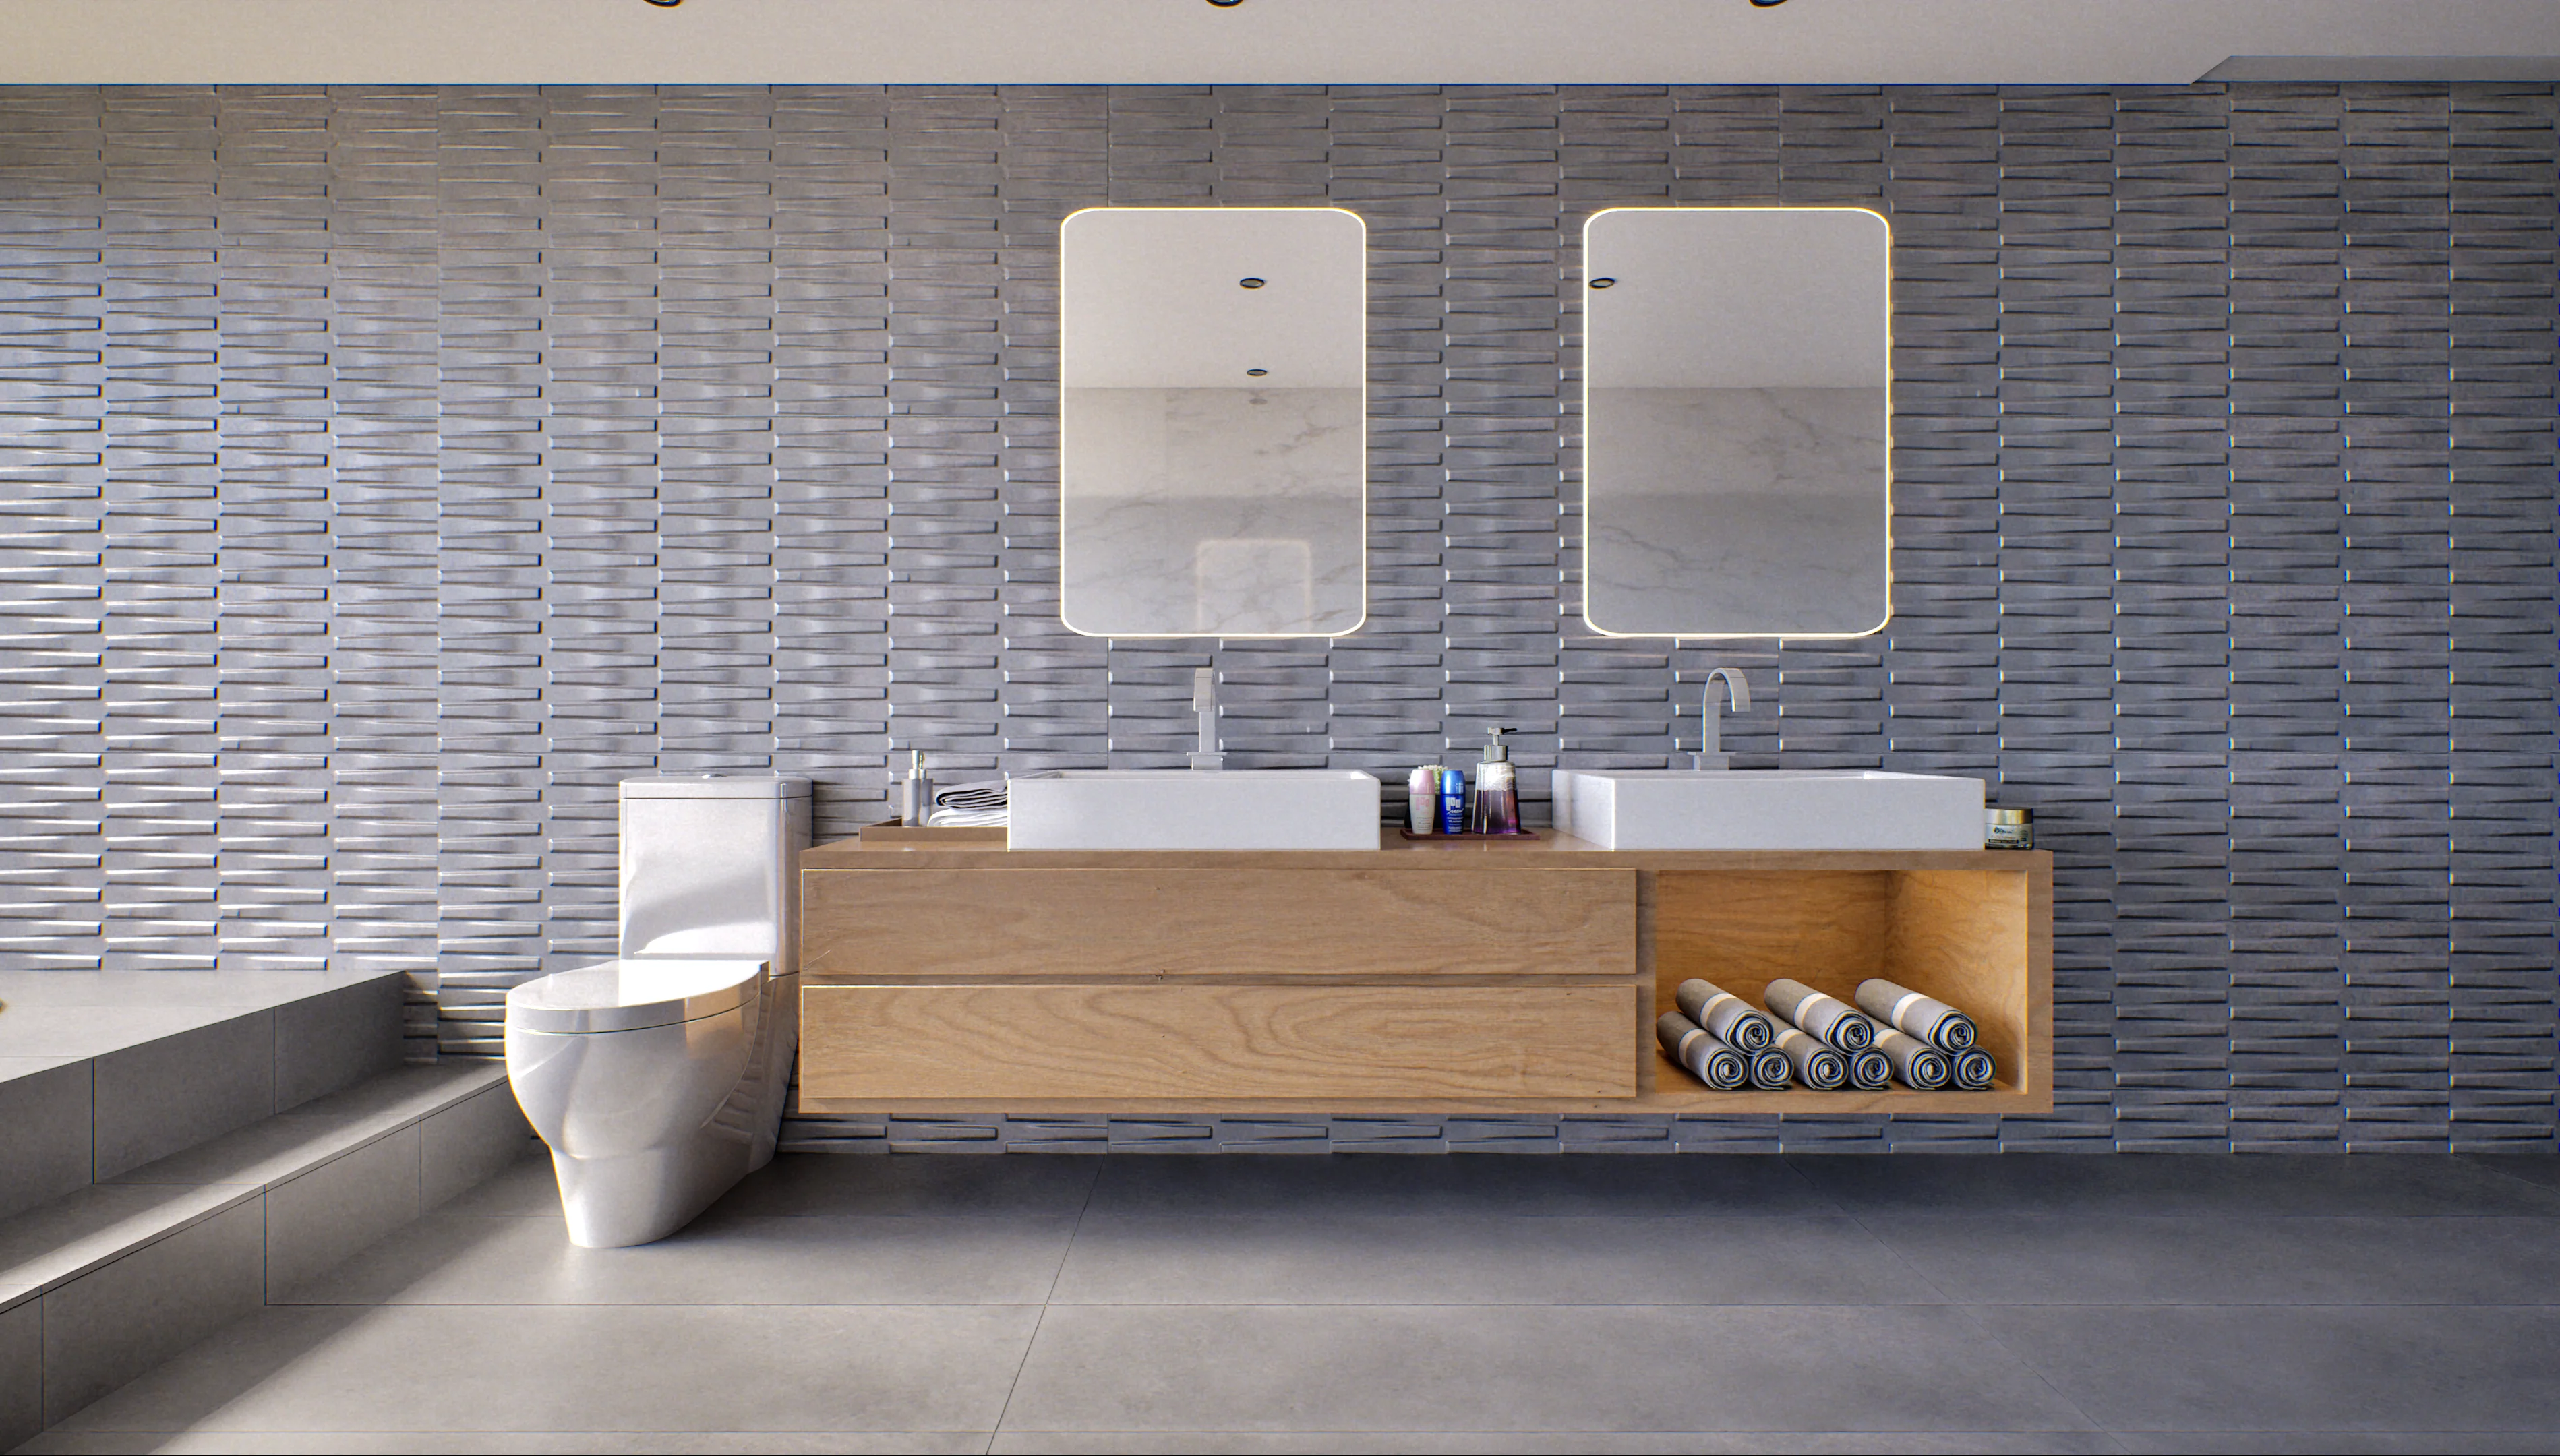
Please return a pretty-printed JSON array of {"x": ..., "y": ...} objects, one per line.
[
  {"x": 1186, "y": 809},
  {"x": 1769, "y": 809}
]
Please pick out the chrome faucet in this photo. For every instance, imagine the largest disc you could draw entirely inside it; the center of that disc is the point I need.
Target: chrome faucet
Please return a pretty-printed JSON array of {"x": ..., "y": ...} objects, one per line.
[
  {"x": 1711, "y": 757},
  {"x": 1204, "y": 702}
]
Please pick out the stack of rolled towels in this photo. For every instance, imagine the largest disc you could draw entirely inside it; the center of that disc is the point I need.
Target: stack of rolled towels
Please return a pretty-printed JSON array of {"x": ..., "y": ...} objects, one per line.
[
  {"x": 1831, "y": 1021},
  {"x": 1715, "y": 1028},
  {"x": 1892, "y": 1034},
  {"x": 1927, "y": 1030}
]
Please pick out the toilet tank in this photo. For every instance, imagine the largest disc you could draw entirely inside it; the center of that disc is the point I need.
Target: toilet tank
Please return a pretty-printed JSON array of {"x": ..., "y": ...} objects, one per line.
[{"x": 711, "y": 866}]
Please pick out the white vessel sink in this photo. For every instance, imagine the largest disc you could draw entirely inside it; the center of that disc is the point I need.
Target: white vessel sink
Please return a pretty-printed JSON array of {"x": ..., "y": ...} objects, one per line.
[
  {"x": 1769, "y": 809},
  {"x": 1186, "y": 809}
]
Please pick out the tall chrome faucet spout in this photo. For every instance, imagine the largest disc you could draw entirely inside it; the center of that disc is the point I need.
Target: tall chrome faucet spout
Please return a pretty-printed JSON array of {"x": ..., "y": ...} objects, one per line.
[
  {"x": 1710, "y": 756},
  {"x": 1204, "y": 702}
]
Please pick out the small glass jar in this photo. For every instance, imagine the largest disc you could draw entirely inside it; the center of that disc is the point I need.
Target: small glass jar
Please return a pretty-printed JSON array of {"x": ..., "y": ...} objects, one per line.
[{"x": 2009, "y": 829}]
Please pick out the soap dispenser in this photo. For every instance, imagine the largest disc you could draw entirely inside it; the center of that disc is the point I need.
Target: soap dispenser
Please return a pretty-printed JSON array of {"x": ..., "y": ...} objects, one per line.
[
  {"x": 919, "y": 805},
  {"x": 1496, "y": 788}
]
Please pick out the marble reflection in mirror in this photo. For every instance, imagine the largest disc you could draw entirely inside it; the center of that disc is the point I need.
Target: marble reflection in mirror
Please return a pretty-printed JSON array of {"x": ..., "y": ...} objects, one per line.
[
  {"x": 1213, "y": 422},
  {"x": 1736, "y": 422}
]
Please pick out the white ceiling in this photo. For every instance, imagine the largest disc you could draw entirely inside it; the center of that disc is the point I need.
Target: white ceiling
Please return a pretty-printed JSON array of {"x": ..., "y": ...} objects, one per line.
[{"x": 1452, "y": 41}]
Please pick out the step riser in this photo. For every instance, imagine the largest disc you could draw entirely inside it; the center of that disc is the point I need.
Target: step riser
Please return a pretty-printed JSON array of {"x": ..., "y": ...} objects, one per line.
[
  {"x": 48, "y": 1143},
  {"x": 337, "y": 1039}
]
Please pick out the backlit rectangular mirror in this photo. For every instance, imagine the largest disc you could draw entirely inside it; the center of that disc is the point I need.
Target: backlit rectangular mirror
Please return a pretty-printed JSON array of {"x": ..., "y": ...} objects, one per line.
[
  {"x": 1737, "y": 408},
  {"x": 1213, "y": 424}
]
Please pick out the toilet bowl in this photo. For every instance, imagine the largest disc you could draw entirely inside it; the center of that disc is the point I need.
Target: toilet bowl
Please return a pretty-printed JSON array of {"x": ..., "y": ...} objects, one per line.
[{"x": 658, "y": 1079}]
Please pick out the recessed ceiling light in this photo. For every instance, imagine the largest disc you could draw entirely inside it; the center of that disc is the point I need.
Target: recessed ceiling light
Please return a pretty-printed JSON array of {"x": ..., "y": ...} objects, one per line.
[
  {"x": 1255, "y": 373},
  {"x": 1248, "y": 282},
  {"x": 1604, "y": 282}
]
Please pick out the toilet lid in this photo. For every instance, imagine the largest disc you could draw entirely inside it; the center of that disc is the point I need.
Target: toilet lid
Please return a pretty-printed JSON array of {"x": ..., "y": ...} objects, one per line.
[{"x": 626, "y": 995}]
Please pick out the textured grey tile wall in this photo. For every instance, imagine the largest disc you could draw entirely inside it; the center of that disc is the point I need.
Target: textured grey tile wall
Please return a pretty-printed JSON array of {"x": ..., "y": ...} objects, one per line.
[{"x": 387, "y": 472}]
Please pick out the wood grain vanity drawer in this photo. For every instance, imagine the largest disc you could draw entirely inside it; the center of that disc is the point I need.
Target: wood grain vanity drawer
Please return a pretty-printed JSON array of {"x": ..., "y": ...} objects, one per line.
[
  {"x": 984, "y": 1042},
  {"x": 871, "y": 925}
]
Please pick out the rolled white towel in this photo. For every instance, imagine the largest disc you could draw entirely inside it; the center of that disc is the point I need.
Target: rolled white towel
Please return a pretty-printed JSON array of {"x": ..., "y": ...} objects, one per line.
[
  {"x": 1971, "y": 1071},
  {"x": 1769, "y": 1070},
  {"x": 1915, "y": 1062},
  {"x": 1869, "y": 1071},
  {"x": 1724, "y": 1016},
  {"x": 1907, "y": 1011},
  {"x": 1708, "y": 1060},
  {"x": 1816, "y": 1063},
  {"x": 1827, "y": 1017}
]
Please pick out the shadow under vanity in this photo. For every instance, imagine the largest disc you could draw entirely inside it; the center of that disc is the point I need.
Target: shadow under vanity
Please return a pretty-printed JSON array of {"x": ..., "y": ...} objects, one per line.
[{"x": 943, "y": 973}]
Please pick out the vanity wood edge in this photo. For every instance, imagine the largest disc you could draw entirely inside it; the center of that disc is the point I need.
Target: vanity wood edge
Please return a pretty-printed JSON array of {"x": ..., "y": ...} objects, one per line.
[{"x": 1804, "y": 889}]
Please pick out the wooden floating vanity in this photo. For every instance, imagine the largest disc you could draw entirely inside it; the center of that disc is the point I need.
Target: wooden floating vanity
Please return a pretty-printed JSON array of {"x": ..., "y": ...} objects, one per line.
[{"x": 942, "y": 974}]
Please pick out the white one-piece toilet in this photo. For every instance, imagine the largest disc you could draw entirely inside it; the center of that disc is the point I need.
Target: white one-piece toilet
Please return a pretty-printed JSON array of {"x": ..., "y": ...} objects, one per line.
[{"x": 658, "y": 1079}]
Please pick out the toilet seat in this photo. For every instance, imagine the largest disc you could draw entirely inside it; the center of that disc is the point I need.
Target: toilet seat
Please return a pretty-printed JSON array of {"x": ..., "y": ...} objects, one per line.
[{"x": 633, "y": 994}]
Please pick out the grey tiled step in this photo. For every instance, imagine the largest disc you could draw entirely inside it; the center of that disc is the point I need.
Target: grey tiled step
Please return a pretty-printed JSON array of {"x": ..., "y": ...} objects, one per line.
[
  {"x": 101, "y": 1284},
  {"x": 104, "y": 1071}
]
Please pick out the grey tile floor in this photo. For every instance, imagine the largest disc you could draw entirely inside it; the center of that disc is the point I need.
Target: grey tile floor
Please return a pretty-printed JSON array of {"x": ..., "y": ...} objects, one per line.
[{"x": 1027, "y": 1304}]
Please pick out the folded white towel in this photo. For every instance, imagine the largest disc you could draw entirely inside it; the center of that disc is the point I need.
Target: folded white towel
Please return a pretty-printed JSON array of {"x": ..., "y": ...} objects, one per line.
[
  {"x": 998, "y": 817},
  {"x": 986, "y": 793}
]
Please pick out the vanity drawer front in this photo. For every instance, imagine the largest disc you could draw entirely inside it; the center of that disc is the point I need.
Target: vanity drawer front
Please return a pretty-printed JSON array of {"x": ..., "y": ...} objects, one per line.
[
  {"x": 1205, "y": 1041},
  {"x": 873, "y": 924}
]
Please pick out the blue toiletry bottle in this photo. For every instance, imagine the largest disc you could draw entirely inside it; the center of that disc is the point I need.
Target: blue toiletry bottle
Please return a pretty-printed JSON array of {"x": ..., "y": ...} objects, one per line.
[{"x": 1453, "y": 801}]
